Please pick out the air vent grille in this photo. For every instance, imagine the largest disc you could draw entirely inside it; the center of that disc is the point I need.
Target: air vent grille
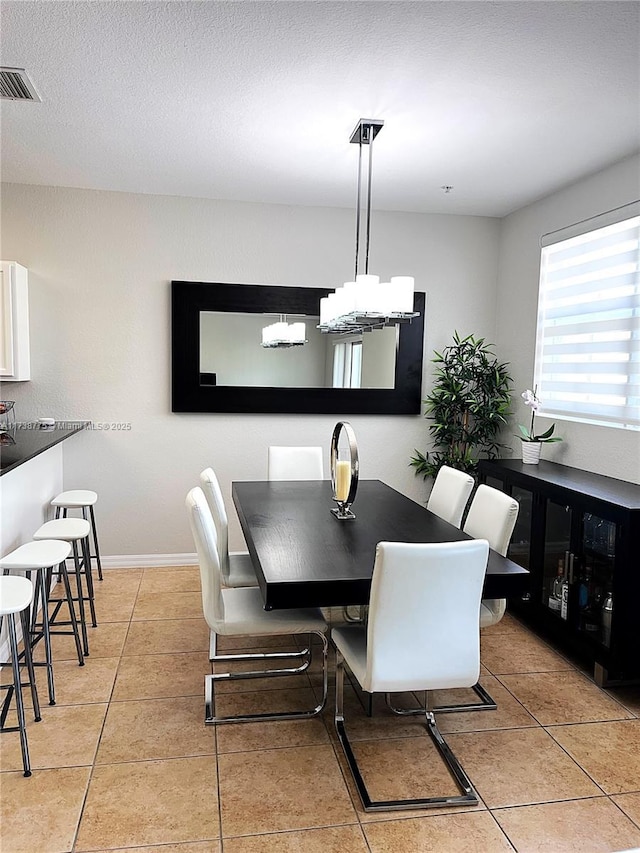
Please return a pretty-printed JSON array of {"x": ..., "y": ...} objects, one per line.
[{"x": 16, "y": 86}]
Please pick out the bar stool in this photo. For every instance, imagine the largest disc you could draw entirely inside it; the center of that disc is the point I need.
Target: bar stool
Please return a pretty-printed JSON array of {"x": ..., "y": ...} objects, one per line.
[
  {"x": 84, "y": 500},
  {"x": 75, "y": 531},
  {"x": 16, "y": 594},
  {"x": 41, "y": 557}
]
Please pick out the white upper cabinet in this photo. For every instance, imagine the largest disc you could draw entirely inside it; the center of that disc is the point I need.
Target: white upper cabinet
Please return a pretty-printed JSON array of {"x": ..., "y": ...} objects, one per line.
[{"x": 15, "y": 363}]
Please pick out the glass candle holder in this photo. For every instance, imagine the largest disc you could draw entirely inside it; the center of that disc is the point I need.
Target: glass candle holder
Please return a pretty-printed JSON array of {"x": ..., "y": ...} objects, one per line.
[{"x": 344, "y": 471}]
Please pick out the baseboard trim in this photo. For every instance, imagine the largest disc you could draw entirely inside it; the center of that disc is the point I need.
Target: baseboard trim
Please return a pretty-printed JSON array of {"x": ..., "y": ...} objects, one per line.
[{"x": 140, "y": 561}]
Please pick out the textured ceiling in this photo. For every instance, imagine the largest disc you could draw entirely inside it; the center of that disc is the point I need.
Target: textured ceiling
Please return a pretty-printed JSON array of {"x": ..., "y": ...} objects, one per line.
[{"x": 256, "y": 100}]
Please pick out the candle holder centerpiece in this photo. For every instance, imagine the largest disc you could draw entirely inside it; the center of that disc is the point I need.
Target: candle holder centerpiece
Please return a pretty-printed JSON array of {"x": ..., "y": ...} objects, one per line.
[{"x": 344, "y": 471}]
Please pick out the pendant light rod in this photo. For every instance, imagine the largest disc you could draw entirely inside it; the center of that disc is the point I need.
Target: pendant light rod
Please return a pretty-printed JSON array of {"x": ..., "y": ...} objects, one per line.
[
  {"x": 358, "y": 209},
  {"x": 363, "y": 134},
  {"x": 366, "y": 253}
]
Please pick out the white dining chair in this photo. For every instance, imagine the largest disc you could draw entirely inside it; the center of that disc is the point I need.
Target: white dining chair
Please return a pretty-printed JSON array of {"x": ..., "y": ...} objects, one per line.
[
  {"x": 233, "y": 612},
  {"x": 295, "y": 463},
  {"x": 450, "y": 493},
  {"x": 492, "y": 516},
  {"x": 237, "y": 568},
  {"x": 422, "y": 635}
]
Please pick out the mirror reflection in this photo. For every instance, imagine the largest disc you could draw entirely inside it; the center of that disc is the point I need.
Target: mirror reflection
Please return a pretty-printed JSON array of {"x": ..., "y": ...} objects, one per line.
[{"x": 232, "y": 354}]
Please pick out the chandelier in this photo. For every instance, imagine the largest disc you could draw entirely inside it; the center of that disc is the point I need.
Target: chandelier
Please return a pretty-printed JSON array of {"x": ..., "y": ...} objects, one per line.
[
  {"x": 283, "y": 334},
  {"x": 366, "y": 303}
]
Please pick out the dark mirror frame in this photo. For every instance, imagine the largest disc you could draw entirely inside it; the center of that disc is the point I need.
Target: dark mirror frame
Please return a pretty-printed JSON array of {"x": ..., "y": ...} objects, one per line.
[{"x": 188, "y": 394}]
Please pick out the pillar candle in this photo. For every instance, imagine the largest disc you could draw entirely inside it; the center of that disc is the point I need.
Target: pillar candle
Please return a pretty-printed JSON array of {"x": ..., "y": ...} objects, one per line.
[{"x": 343, "y": 480}]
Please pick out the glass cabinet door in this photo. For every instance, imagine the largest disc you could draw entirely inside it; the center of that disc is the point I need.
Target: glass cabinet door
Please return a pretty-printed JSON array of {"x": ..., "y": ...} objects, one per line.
[
  {"x": 595, "y": 581},
  {"x": 495, "y": 483},
  {"x": 557, "y": 548},
  {"x": 520, "y": 545}
]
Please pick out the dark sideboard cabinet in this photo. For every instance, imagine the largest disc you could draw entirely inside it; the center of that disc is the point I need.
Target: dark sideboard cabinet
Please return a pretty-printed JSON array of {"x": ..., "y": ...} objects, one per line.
[{"x": 579, "y": 536}]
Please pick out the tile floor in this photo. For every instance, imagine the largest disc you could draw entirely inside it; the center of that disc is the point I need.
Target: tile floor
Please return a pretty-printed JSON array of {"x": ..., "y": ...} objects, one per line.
[{"x": 124, "y": 761}]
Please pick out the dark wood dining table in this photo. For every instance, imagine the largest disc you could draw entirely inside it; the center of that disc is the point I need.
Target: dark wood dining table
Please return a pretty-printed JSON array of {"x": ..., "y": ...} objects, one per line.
[{"x": 305, "y": 557}]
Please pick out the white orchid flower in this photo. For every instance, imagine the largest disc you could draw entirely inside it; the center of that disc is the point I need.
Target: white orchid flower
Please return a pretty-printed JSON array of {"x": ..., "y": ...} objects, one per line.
[
  {"x": 527, "y": 434},
  {"x": 530, "y": 399}
]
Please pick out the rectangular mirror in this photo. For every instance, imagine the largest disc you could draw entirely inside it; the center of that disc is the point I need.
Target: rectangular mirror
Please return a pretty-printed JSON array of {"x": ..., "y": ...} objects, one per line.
[
  {"x": 220, "y": 365},
  {"x": 232, "y": 352}
]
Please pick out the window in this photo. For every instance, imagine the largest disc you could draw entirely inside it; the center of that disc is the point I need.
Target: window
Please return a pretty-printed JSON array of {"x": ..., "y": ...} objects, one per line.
[
  {"x": 587, "y": 364},
  {"x": 347, "y": 364}
]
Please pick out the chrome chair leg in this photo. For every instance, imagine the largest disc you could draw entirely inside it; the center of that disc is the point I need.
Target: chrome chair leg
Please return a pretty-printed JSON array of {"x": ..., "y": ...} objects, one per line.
[
  {"x": 210, "y": 680},
  {"x": 468, "y": 795},
  {"x": 486, "y": 703}
]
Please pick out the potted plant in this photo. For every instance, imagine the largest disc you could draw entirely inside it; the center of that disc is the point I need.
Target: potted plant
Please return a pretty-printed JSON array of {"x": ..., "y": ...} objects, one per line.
[
  {"x": 532, "y": 443},
  {"x": 468, "y": 406}
]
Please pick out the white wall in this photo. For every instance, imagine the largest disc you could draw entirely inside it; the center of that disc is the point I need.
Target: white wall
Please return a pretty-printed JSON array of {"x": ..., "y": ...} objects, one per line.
[
  {"x": 604, "y": 450},
  {"x": 100, "y": 264},
  {"x": 379, "y": 358}
]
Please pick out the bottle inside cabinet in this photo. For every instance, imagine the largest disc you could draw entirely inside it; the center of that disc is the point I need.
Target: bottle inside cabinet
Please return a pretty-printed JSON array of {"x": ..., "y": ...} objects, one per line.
[
  {"x": 557, "y": 545},
  {"x": 555, "y": 598},
  {"x": 595, "y": 598}
]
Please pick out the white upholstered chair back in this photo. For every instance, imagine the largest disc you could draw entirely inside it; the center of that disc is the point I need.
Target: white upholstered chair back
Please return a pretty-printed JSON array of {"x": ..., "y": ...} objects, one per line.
[
  {"x": 492, "y": 516},
  {"x": 204, "y": 536},
  {"x": 213, "y": 493},
  {"x": 450, "y": 494},
  {"x": 423, "y": 630},
  {"x": 295, "y": 463}
]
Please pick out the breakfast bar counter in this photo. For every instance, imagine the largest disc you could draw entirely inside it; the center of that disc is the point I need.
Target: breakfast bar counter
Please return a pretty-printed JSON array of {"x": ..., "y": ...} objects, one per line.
[
  {"x": 26, "y": 440},
  {"x": 32, "y": 475}
]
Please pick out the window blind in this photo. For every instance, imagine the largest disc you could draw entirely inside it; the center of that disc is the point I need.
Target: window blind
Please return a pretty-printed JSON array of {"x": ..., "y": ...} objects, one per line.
[{"x": 587, "y": 364}]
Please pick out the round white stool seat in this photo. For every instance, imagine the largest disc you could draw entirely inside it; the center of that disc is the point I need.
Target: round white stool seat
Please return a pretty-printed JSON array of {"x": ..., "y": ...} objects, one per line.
[
  {"x": 67, "y": 529},
  {"x": 75, "y": 498},
  {"x": 15, "y": 594},
  {"x": 36, "y": 555}
]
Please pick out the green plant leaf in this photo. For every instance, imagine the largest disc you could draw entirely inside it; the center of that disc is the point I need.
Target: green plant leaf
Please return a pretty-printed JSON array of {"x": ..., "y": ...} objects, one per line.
[
  {"x": 468, "y": 405},
  {"x": 545, "y": 435}
]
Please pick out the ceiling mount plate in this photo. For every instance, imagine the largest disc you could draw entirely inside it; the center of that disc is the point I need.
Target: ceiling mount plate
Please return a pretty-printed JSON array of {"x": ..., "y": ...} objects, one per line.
[{"x": 366, "y": 131}]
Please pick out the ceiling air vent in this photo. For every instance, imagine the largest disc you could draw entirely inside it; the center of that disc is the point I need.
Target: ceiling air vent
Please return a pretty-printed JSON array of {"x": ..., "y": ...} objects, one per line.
[{"x": 16, "y": 86}]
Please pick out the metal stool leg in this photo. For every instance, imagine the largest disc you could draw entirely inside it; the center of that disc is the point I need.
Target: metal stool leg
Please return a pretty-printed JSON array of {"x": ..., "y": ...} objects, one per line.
[
  {"x": 80, "y": 599},
  {"x": 69, "y": 600},
  {"x": 96, "y": 547},
  {"x": 34, "y": 633},
  {"x": 89, "y": 577},
  {"x": 91, "y": 517},
  {"x": 44, "y": 599},
  {"x": 62, "y": 570},
  {"x": 28, "y": 659},
  {"x": 15, "y": 665}
]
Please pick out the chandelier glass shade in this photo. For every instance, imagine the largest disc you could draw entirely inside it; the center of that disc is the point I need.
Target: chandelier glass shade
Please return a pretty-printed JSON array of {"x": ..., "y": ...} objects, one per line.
[
  {"x": 366, "y": 303},
  {"x": 283, "y": 334}
]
